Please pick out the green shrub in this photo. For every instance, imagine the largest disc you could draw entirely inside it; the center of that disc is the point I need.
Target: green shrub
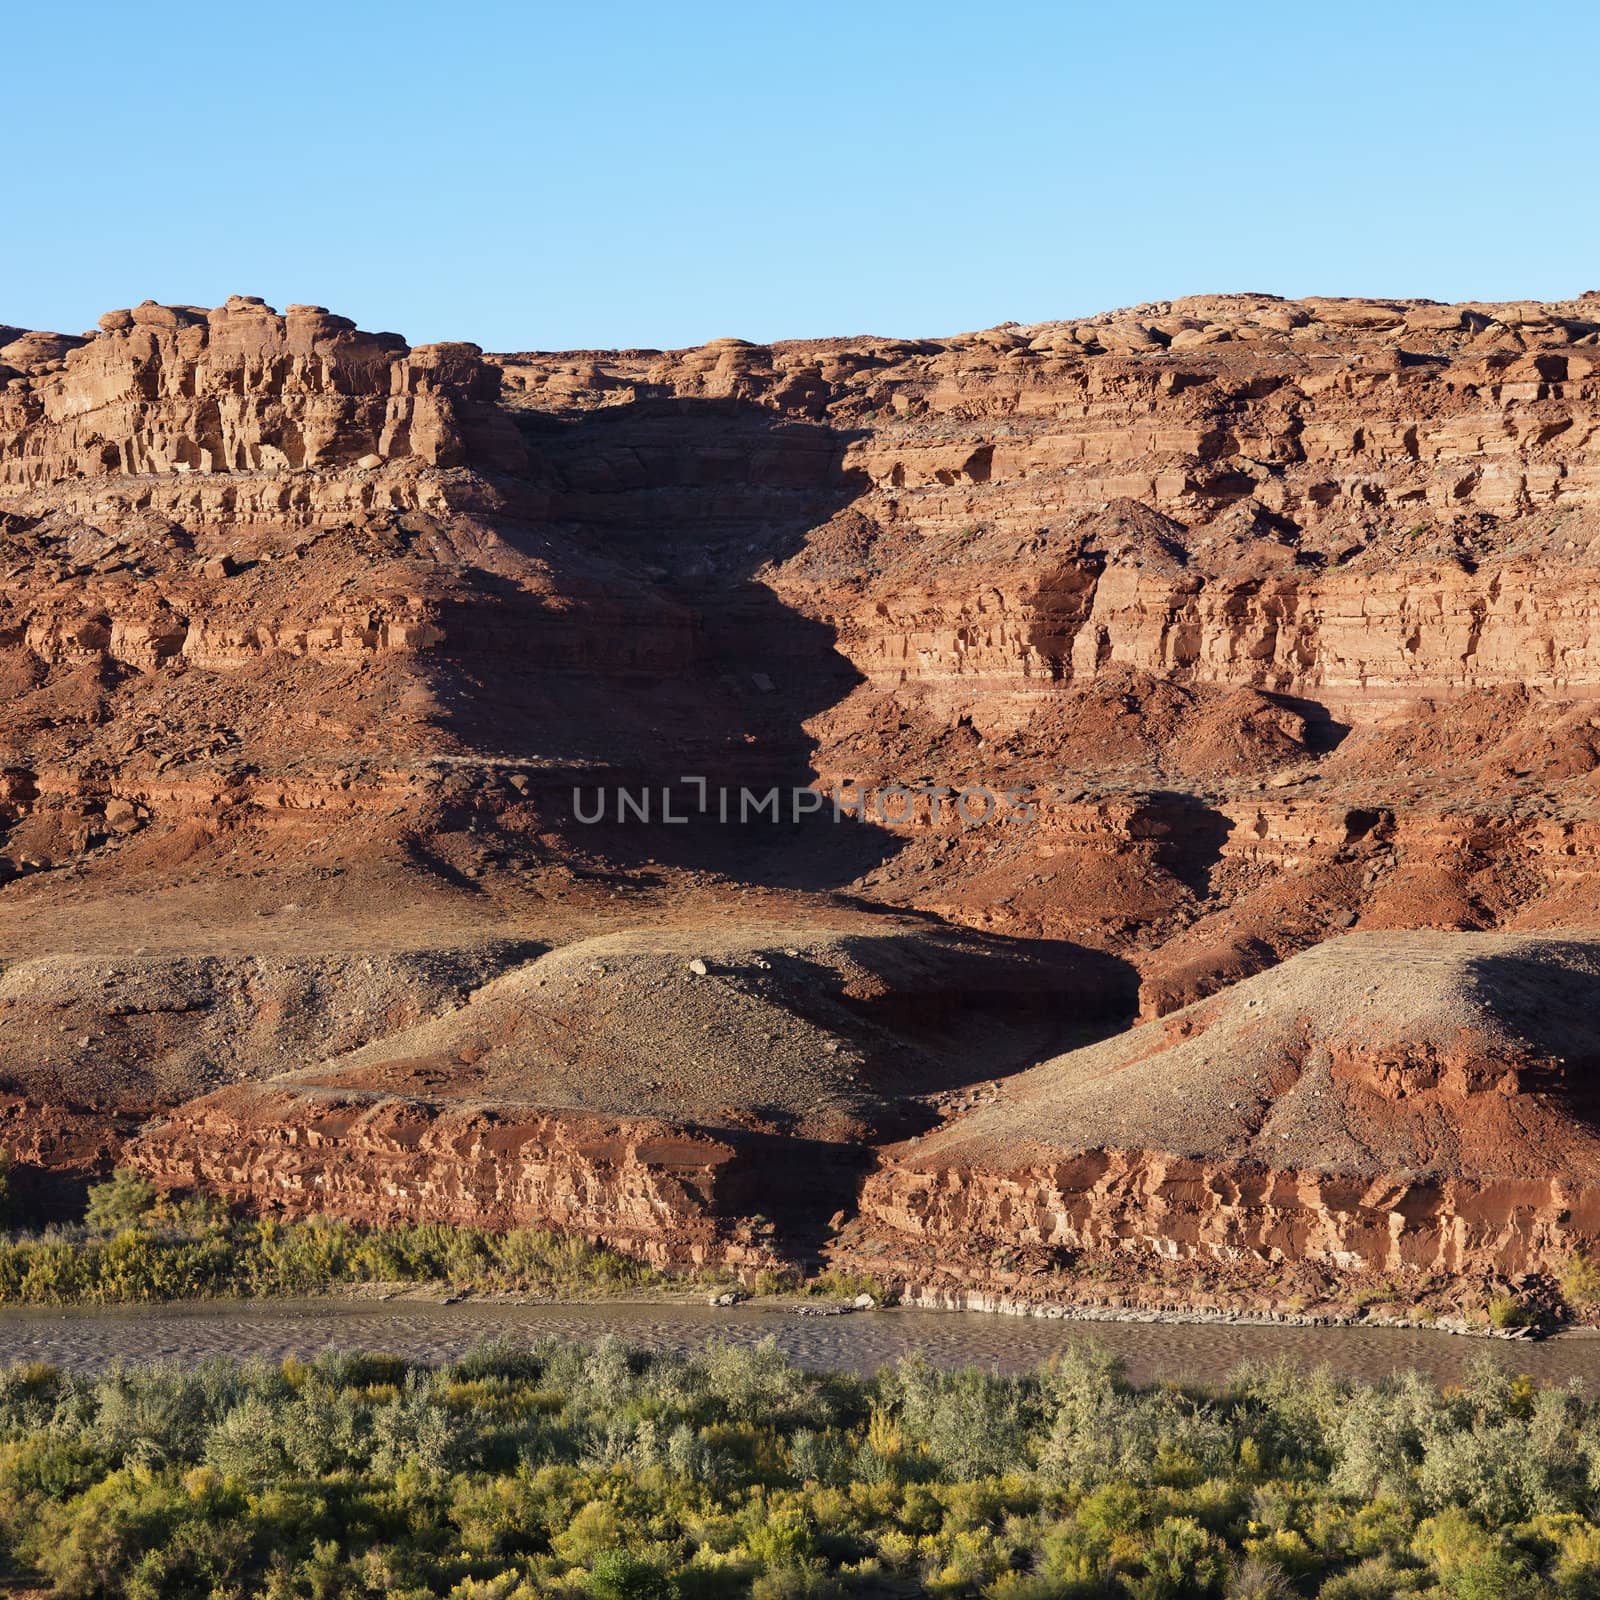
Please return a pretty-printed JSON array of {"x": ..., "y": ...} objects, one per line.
[
  {"x": 1580, "y": 1281},
  {"x": 837, "y": 1284},
  {"x": 139, "y": 1247},
  {"x": 622, "y": 1474},
  {"x": 122, "y": 1201},
  {"x": 617, "y": 1575},
  {"x": 1507, "y": 1311},
  {"x": 973, "y": 1424}
]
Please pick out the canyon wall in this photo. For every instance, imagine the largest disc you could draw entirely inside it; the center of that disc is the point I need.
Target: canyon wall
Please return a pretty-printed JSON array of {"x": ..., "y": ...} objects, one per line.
[
  {"x": 240, "y": 390},
  {"x": 1144, "y": 1204},
  {"x": 1407, "y": 1107},
  {"x": 1355, "y": 503},
  {"x": 650, "y": 1189},
  {"x": 1280, "y": 614}
]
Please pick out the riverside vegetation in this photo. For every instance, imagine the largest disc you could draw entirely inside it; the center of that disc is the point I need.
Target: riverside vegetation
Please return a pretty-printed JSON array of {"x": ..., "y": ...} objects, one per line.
[
  {"x": 136, "y": 1245},
  {"x": 609, "y": 1473}
]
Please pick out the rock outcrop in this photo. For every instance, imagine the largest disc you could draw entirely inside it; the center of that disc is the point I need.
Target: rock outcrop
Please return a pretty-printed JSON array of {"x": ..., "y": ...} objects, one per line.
[
  {"x": 1264, "y": 621},
  {"x": 1383, "y": 1103},
  {"x": 637, "y": 1084},
  {"x": 241, "y": 390},
  {"x": 656, "y": 1191}
]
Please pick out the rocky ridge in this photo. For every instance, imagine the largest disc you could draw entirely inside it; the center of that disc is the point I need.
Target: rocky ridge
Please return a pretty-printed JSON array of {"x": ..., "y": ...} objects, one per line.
[
  {"x": 1392, "y": 1104},
  {"x": 1280, "y": 612}
]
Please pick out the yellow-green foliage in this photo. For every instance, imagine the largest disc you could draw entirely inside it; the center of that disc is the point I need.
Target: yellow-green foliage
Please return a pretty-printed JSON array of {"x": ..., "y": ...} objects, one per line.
[
  {"x": 604, "y": 1473},
  {"x": 136, "y": 1246},
  {"x": 1507, "y": 1311},
  {"x": 1580, "y": 1282},
  {"x": 119, "y": 1202},
  {"x": 839, "y": 1284}
]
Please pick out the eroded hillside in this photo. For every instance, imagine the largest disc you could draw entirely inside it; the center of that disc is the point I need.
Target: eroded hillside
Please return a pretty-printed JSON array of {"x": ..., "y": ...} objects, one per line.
[{"x": 318, "y": 649}]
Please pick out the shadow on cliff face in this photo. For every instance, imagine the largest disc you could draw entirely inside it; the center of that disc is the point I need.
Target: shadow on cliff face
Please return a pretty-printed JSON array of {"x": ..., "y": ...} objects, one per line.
[
  {"x": 1324, "y": 732},
  {"x": 1192, "y": 839},
  {"x": 946, "y": 1027},
  {"x": 662, "y": 662},
  {"x": 802, "y": 1187}
]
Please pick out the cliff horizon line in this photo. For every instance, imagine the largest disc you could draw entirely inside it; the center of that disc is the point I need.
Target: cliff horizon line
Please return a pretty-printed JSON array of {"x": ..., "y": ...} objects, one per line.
[{"x": 1283, "y": 611}]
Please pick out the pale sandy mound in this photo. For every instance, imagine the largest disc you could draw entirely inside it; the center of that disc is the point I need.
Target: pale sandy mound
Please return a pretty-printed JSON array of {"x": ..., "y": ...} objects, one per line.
[
  {"x": 140, "y": 1030},
  {"x": 819, "y": 1031},
  {"x": 1448, "y": 1053}
]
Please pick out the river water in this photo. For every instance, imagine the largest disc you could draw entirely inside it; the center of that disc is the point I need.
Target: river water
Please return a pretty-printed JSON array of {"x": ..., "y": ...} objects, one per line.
[{"x": 1206, "y": 1352}]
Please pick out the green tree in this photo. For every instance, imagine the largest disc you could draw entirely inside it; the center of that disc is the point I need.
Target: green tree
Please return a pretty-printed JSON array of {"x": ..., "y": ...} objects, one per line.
[{"x": 120, "y": 1201}]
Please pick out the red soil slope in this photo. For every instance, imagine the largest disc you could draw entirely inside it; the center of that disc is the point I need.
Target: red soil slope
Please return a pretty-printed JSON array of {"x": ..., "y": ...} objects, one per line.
[
  {"x": 1281, "y": 613},
  {"x": 1383, "y": 1102}
]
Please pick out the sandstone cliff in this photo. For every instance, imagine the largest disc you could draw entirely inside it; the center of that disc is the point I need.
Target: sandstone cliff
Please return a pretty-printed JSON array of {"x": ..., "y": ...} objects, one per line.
[
  {"x": 1280, "y": 611},
  {"x": 1386, "y": 1103},
  {"x": 173, "y": 390}
]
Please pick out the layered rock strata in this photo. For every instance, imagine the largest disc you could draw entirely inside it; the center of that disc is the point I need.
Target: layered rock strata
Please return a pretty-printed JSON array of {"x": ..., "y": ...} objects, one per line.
[
  {"x": 655, "y": 1191},
  {"x": 1383, "y": 1104},
  {"x": 1279, "y": 612},
  {"x": 240, "y": 391},
  {"x": 636, "y": 1087}
]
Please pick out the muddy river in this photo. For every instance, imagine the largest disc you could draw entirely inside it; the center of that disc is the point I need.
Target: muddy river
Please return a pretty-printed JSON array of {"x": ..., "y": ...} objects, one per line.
[{"x": 87, "y": 1340}]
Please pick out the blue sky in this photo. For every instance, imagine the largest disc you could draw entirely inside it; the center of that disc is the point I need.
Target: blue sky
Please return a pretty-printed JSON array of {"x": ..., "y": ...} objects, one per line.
[{"x": 606, "y": 172}]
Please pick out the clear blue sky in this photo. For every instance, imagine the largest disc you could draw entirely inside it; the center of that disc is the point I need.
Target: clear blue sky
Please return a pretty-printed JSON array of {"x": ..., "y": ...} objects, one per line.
[{"x": 659, "y": 172}]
